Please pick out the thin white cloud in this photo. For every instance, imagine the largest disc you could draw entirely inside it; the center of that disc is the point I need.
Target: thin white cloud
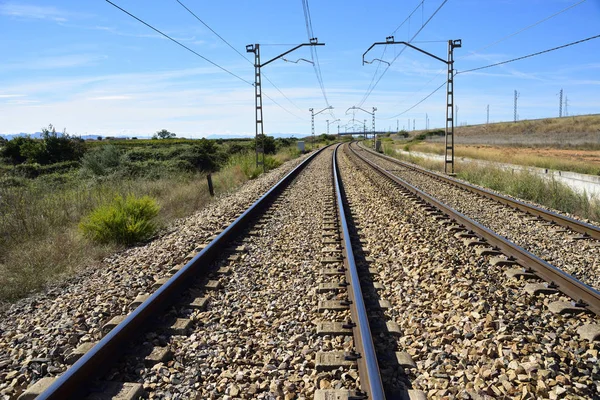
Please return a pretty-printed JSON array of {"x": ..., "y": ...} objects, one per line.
[
  {"x": 114, "y": 97},
  {"x": 10, "y": 96},
  {"x": 30, "y": 11},
  {"x": 54, "y": 62}
]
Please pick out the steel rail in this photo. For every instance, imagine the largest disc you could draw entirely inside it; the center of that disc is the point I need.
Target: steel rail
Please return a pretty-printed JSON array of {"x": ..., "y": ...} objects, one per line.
[
  {"x": 562, "y": 220},
  {"x": 368, "y": 367},
  {"x": 569, "y": 285},
  {"x": 72, "y": 384}
]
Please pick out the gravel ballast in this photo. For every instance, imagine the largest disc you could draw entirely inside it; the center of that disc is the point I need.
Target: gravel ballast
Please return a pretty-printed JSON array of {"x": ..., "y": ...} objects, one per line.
[
  {"x": 472, "y": 331},
  {"x": 580, "y": 258}
]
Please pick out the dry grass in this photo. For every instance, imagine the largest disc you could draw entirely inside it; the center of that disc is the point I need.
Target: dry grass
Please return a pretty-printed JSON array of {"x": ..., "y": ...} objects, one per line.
[
  {"x": 523, "y": 185},
  {"x": 579, "y": 132},
  {"x": 519, "y": 156}
]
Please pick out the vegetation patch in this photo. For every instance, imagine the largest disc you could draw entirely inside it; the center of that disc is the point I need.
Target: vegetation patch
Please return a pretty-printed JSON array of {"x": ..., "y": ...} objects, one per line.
[
  {"x": 521, "y": 184},
  {"x": 123, "y": 221},
  {"x": 68, "y": 210}
]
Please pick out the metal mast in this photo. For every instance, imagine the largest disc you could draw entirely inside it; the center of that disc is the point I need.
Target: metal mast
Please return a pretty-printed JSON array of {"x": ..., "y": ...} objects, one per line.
[
  {"x": 452, "y": 44},
  {"x": 255, "y": 48},
  {"x": 260, "y": 150},
  {"x": 516, "y": 98},
  {"x": 560, "y": 104},
  {"x": 312, "y": 120}
]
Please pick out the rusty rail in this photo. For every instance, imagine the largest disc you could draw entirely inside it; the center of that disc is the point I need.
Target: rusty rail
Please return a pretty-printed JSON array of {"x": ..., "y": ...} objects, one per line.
[
  {"x": 368, "y": 367},
  {"x": 572, "y": 287},
  {"x": 72, "y": 384},
  {"x": 562, "y": 220}
]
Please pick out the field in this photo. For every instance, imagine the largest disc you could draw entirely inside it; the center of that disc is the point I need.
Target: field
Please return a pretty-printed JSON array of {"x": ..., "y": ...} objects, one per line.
[
  {"x": 567, "y": 144},
  {"x": 576, "y": 132},
  {"x": 582, "y": 161},
  {"x": 42, "y": 205}
]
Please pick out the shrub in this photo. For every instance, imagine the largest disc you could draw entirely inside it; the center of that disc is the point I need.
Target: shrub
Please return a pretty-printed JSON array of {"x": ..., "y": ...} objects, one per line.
[
  {"x": 102, "y": 161},
  {"x": 124, "y": 221}
]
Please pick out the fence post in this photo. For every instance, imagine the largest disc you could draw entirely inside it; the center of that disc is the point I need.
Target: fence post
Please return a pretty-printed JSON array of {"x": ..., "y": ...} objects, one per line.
[{"x": 211, "y": 190}]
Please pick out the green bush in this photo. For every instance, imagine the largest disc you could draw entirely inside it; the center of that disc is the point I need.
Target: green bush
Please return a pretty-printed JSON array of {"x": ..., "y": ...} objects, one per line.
[
  {"x": 101, "y": 162},
  {"x": 52, "y": 148},
  {"x": 124, "y": 221}
]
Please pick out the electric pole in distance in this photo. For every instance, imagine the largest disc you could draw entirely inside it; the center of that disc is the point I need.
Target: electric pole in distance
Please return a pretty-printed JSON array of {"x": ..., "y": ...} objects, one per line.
[
  {"x": 312, "y": 120},
  {"x": 488, "y": 114},
  {"x": 255, "y": 48},
  {"x": 517, "y": 94},
  {"x": 372, "y": 114},
  {"x": 560, "y": 103},
  {"x": 329, "y": 123},
  {"x": 452, "y": 44}
]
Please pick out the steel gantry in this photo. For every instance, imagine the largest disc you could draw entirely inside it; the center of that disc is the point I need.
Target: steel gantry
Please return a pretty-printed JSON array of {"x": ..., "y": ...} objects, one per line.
[
  {"x": 452, "y": 44},
  {"x": 373, "y": 118},
  {"x": 312, "y": 121},
  {"x": 255, "y": 48}
]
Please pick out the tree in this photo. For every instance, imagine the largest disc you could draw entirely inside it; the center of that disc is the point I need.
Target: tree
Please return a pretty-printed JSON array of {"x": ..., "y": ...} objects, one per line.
[
  {"x": 268, "y": 143},
  {"x": 52, "y": 148},
  {"x": 164, "y": 134}
]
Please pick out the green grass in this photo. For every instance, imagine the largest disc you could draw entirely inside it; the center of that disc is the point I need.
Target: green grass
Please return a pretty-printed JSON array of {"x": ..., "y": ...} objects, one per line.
[
  {"x": 40, "y": 240},
  {"x": 123, "y": 221},
  {"x": 521, "y": 184}
]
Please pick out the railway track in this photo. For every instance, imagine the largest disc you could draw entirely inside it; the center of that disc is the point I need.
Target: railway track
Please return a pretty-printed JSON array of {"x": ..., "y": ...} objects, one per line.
[
  {"x": 571, "y": 245},
  {"x": 336, "y": 284},
  {"x": 165, "y": 333},
  {"x": 469, "y": 293}
]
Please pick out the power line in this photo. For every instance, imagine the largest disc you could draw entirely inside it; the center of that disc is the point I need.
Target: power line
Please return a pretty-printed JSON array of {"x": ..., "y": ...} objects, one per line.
[
  {"x": 282, "y": 107},
  {"x": 204, "y": 58},
  {"x": 313, "y": 51},
  {"x": 181, "y": 44},
  {"x": 213, "y": 31},
  {"x": 241, "y": 55},
  {"x": 529, "y": 55},
  {"x": 523, "y": 30},
  {"x": 422, "y": 100},
  {"x": 366, "y": 96},
  {"x": 407, "y": 18}
]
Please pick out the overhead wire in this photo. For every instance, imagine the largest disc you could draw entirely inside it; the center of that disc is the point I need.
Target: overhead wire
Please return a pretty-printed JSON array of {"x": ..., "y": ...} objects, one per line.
[
  {"x": 245, "y": 58},
  {"x": 182, "y": 45},
  {"x": 493, "y": 44},
  {"x": 496, "y": 64},
  {"x": 363, "y": 99},
  {"x": 419, "y": 102},
  {"x": 522, "y": 30},
  {"x": 529, "y": 55},
  {"x": 314, "y": 54},
  {"x": 366, "y": 96}
]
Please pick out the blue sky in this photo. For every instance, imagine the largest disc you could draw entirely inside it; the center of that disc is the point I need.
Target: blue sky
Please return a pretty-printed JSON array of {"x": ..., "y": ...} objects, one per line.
[{"x": 88, "y": 67}]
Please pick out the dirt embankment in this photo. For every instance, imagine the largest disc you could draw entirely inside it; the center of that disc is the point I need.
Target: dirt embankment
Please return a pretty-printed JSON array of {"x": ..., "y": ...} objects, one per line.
[{"x": 567, "y": 132}]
